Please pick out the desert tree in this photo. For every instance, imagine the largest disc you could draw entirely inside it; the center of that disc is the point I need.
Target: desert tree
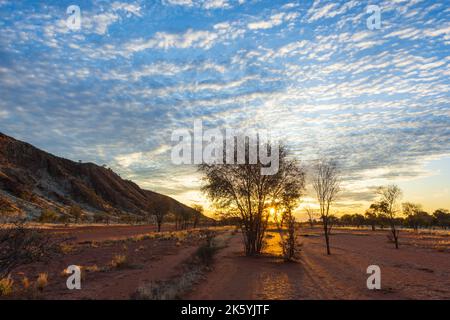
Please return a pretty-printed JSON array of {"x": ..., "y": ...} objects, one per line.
[
  {"x": 311, "y": 213},
  {"x": 346, "y": 220},
  {"x": 198, "y": 213},
  {"x": 182, "y": 218},
  {"x": 414, "y": 216},
  {"x": 48, "y": 216},
  {"x": 326, "y": 183},
  {"x": 148, "y": 217},
  {"x": 358, "y": 220},
  {"x": 288, "y": 200},
  {"x": 441, "y": 218},
  {"x": 244, "y": 189},
  {"x": 389, "y": 196},
  {"x": 76, "y": 213},
  {"x": 372, "y": 215},
  {"x": 159, "y": 209}
]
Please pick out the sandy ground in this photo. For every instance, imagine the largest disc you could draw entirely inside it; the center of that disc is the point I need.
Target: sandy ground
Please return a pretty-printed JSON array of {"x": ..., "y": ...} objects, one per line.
[
  {"x": 82, "y": 233},
  {"x": 418, "y": 270},
  {"x": 148, "y": 259}
]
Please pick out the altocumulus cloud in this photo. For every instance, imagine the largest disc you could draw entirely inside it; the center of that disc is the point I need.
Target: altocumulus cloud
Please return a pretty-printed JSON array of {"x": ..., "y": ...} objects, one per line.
[{"x": 310, "y": 71}]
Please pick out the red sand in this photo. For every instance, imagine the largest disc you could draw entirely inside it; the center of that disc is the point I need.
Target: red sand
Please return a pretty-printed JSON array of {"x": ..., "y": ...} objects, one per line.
[
  {"x": 104, "y": 232},
  {"x": 420, "y": 269},
  {"x": 412, "y": 272}
]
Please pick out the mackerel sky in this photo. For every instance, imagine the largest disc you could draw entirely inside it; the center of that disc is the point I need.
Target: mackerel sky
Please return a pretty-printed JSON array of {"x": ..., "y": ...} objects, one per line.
[{"x": 311, "y": 72}]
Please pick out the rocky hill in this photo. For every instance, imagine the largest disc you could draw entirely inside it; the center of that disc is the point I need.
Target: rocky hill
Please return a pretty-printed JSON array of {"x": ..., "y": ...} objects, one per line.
[{"x": 32, "y": 180}]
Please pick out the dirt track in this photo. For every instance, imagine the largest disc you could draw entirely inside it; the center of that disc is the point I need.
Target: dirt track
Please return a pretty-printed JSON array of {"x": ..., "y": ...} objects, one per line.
[{"x": 412, "y": 272}]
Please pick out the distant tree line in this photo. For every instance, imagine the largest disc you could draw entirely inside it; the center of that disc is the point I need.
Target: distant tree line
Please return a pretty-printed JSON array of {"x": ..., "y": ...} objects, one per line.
[
  {"x": 157, "y": 213},
  {"x": 413, "y": 217}
]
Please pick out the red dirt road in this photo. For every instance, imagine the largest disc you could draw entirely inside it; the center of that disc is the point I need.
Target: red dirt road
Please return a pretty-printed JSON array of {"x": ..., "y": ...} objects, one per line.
[{"x": 412, "y": 272}]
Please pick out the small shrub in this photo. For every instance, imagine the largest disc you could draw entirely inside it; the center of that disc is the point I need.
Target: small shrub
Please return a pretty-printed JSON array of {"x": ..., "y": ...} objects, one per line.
[
  {"x": 77, "y": 213},
  {"x": 6, "y": 286},
  {"x": 206, "y": 254},
  {"x": 209, "y": 236},
  {"x": 42, "y": 281},
  {"x": 26, "y": 283},
  {"x": 20, "y": 245},
  {"x": 48, "y": 215},
  {"x": 66, "y": 248},
  {"x": 169, "y": 290},
  {"x": 64, "y": 218},
  {"x": 93, "y": 268},
  {"x": 119, "y": 261}
]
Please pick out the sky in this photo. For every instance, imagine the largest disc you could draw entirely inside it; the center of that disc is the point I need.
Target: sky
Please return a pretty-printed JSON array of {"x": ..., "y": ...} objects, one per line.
[{"x": 310, "y": 72}]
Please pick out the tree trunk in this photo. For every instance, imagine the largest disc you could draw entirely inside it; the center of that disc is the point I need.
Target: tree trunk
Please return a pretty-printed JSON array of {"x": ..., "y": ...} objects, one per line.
[
  {"x": 396, "y": 240},
  {"x": 195, "y": 222},
  {"x": 327, "y": 240},
  {"x": 395, "y": 234}
]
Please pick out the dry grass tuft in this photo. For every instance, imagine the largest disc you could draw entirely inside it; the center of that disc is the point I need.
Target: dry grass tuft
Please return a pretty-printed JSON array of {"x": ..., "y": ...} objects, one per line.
[
  {"x": 42, "y": 281},
  {"x": 6, "y": 286},
  {"x": 66, "y": 248},
  {"x": 26, "y": 284},
  {"x": 119, "y": 261},
  {"x": 169, "y": 290}
]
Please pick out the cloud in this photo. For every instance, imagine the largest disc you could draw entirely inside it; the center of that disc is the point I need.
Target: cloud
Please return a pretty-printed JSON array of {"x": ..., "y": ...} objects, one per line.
[
  {"x": 4, "y": 113},
  {"x": 162, "y": 68},
  {"x": 325, "y": 11},
  {"x": 329, "y": 10},
  {"x": 274, "y": 20},
  {"x": 141, "y": 159},
  {"x": 205, "y": 4},
  {"x": 203, "y": 39},
  {"x": 378, "y": 101},
  {"x": 130, "y": 8},
  {"x": 216, "y": 4}
]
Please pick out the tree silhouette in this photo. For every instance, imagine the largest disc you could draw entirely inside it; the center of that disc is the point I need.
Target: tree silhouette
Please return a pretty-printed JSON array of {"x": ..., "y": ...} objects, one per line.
[
  {"x": 389, "y": 196},
  {"x": 326, "y": 183},
  {"x": 244, "y": 192}
]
